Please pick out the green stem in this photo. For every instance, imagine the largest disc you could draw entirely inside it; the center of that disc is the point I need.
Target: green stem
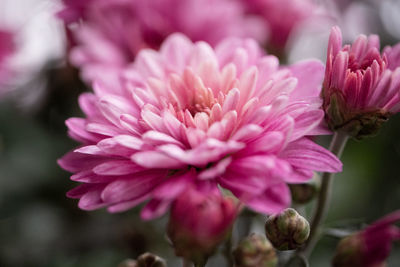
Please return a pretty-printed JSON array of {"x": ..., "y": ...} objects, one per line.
[
  {"x": 200, "y": 261},
  {"x": 186, "y": 263},
  {"x": 336, "y": 147},
  {"x": 228, "y": 250},
  {"x": 200, "y": 264}
]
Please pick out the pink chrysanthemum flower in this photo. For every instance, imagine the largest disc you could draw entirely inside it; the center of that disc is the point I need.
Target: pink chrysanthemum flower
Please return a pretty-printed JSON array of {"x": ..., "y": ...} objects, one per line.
[
  {"x": 191, "y": 115},
  {"x": 7, "y": 48},
  {"x": 281, "y": 17},
  {"x": 361, "y": 86},
  {"x": 369, "y": 247},
  {"x": 113, "y": 31}
]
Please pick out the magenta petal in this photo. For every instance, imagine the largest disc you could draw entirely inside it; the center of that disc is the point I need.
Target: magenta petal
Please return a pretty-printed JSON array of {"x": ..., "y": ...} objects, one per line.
[
  {"x": 130, "y": 189},
  {"x": 305, "y": 154},
  {"x": 82, "y": 189},
  {"x": 307, "y": 122},
  {"x": 88, "y": 104},
  {"x": 247, "y": 132},
  {"x": 215, "y": 171},
  {"x": 299, "y": 176},
  {"x": 272, "y": 200},
  {"x": 103, "y": 129},
  {"x": 75, "y": 162},
  {"x": 91, "y": 177},
  {"x": 335, "y": 41},
  {"x": 91, "y": 200},
  {"x": 128, "y": 141},
  {"x": 339, "y": 68},
  {"x": 125, "y": 205},
  {"x": 173, "y": 186},
  {"x": 117, "y": 167},
  {"x": 310, "y": 74},
  {"x": 155, "y": 159},
  {"x": 393, "y": 56},
  {"x": 237, "y": 182},
  {"x": 77, "y": 130},
  {"x": 154, "y": 209},
  {"x": 157, "y": 138},
  {"x": 111, "y": 147}
]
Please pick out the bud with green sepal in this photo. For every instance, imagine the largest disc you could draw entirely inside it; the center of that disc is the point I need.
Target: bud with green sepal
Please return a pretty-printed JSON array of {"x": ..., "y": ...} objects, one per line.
[
  {"x": 255, "y": 251},
  {"x": 150, "y": 260},
  {"x": 145, "y": 260},
  {"x": 128, "y": 263},
  {"x": 303, "y": 193},
  {"x": 287, "y": 230},
  {"x": 361, "y": 85}
]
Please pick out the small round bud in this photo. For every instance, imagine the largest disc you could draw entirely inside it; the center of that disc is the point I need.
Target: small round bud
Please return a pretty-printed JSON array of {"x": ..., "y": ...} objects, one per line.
[
  {"x": 348, "y": 252},
  {"x": 128, "y": 263},
  {"x": 352, "y": 251},
  {"x": 287, "y": 230},
  {"x": 303, "y": 193},
  {"x": 150, "y": 260},
  {"x": 255, "y": 251}
]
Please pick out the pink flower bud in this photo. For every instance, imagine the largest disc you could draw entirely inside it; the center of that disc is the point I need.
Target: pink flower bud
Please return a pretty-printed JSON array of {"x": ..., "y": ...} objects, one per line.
[
  {"x": 361, "y": 86},
  {"x": 369, "y": 247},
  {"x": 199, "y": 222}
]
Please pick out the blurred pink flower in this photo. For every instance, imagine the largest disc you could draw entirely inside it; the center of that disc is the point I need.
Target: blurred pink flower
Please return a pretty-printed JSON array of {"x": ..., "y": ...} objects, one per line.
[
  {"x": 74, "y": 10},
  {"x": 211, "y": 217},
  {"x": 7, "y": 48},
  {"x": 361, "y": 86},
  {"x": 369, "y": 247},
  {"x": 282, "y": 17},
  {"x": 113, "y": 31},
  {"x": 190, "y": 114}
]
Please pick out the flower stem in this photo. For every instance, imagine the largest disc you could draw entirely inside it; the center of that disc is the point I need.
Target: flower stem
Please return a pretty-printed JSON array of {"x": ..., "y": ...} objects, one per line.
[
  {"x": 186, "y": 263},
  {"x": 200, "y": 264},
  {"x": 228, "y": 250},
  {"x": 336, "y": 147}
]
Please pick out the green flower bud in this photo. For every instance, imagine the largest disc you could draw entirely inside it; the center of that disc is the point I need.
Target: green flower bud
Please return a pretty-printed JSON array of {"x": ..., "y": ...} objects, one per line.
[
  {"x": 255, "y": 251},
  {"x": 150, "y": 260},
  {"x": 303, "y": 193},
  {"x": 128, "y": 263},
  {"x": 287, "y": 230}
]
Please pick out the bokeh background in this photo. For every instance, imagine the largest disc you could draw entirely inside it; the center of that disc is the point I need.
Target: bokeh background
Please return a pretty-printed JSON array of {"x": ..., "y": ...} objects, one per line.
[{"x": 40, "y": 226}]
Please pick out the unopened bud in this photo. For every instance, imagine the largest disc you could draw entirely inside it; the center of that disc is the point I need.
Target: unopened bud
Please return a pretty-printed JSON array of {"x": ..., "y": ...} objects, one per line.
[
  {"x": 255, "y": 251},
  {"x": 348, "y": 252},
  {"x": 199, "y": 222},
  {"x": 150, "y": 260},
  {"x": 303, "y": 193},
  {"x": 369, "y": 247},
  {"x": 357, "y": 91},
  {"x": 287, "y": 230},
  {"x": 128, "y": 263}
]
